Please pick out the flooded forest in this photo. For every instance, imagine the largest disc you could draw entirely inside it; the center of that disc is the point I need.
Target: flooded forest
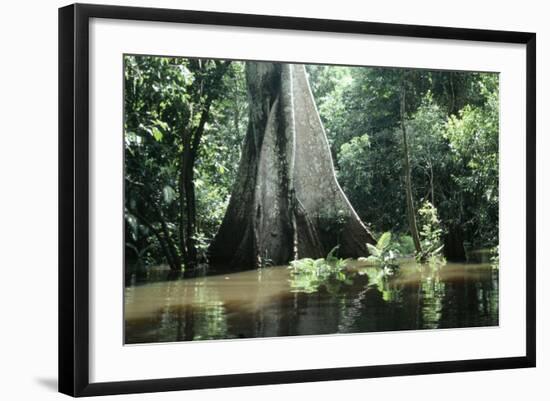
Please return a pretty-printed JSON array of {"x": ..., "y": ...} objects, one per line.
[{"x": 275, "y": 199}]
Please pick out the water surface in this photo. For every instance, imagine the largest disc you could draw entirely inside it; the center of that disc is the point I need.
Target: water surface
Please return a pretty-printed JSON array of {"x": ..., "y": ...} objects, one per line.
[{"x": 271, "y": 302}]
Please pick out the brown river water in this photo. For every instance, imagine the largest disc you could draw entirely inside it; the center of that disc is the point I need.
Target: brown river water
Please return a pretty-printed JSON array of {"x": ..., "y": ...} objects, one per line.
[{"x": 272, "y": 302}]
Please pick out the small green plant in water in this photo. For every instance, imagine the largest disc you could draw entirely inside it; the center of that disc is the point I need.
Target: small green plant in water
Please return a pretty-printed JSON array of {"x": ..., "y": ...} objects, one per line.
[
  {"x": 331, "y": 263},
  {"x": 308, "y": 274},
  {"x": 430, "y": 233},
  {"x": 383, "y": 254}
]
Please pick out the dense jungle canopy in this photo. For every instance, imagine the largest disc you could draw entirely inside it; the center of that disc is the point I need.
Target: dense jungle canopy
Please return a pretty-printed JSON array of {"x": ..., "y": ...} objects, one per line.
[{"x": 406, "y": 148}]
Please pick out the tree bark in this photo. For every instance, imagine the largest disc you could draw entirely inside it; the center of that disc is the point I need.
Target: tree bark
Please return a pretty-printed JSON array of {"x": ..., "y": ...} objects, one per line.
[
  {"x": 191, "y": 138},
  {"x": 432, "y": 184},
  {"x": 411, "y": 212},
  {"x": 286, "y": 202},
  {"x": 166, "y": 245}
]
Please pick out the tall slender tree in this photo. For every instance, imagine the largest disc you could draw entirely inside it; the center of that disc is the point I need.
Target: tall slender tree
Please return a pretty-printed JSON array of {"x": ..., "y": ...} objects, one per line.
[
  {"x": 411, "y": 211},
  {"x": 207, "y": 90}
]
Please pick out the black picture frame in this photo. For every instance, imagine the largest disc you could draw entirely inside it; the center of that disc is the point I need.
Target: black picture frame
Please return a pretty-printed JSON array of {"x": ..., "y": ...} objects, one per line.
[{"x": 74, "y": 198}]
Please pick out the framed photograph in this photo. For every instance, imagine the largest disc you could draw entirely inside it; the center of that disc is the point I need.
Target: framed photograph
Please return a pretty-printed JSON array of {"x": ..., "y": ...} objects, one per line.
[{"x": 250, "y": 199}]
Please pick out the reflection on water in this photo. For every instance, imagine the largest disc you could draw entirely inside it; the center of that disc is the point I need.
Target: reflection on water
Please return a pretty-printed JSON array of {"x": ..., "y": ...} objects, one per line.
[{"x": 270, "y": 302}]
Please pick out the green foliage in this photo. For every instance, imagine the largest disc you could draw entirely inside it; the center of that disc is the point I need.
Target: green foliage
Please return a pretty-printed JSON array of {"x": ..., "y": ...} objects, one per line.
[
  {"x": 329, "y": 264},
  {"x": 405, "y": 245},
  {"x": 308, "y": 274},
  {"x": 384, "y": 253},
  {"x": 452, "y": 125},
  {"x": 202, "y": 242},
  {"x": 430, "y": 232},
  {"x": 384, "y": 241},
  {"x": 452, "y": 122},
  {"x": 330, "y": 86},
  {"x": 371, "y": 179},
  {"x": 164, "y": 100},
  {"x": 355, "y": 172},
  {"x": 473, "y": 142}
]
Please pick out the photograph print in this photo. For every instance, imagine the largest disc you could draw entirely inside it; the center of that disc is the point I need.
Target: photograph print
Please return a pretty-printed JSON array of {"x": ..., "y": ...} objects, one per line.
[{"x": 268, "y": 199}]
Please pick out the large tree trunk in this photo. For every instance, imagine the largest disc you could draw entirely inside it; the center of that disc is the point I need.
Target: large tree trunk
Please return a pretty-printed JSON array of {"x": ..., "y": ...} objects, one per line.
[{"x": 286, "y": 202}]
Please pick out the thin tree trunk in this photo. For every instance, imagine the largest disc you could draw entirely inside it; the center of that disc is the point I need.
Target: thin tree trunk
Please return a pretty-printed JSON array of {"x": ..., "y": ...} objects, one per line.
[
  {"x": 191, "y": 257},
  {"x": 432, "y": 184},
  {"x": 167, "y": 248},
  {"x": 286, "y": 202},
  {"x": 411, "y": 212},
  {"x": 171, "y": 246},
  {"x": 453, "y": 96},
  {"x": 191, "y": 138},
  {"x": 183, "y": 221}
]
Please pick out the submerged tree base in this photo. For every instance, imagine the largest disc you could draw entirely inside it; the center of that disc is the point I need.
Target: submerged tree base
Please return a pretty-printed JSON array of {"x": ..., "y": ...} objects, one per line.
[{"x": 286, "y": 202}]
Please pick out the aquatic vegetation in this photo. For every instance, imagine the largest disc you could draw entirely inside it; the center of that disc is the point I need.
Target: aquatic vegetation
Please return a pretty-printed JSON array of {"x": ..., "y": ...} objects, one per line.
[
  {"x": 383, "y": 254},
  {"x": 331, "y": 263},
  {"x": 430, "y": 233},
  {"x": 308, "y": 274}
]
